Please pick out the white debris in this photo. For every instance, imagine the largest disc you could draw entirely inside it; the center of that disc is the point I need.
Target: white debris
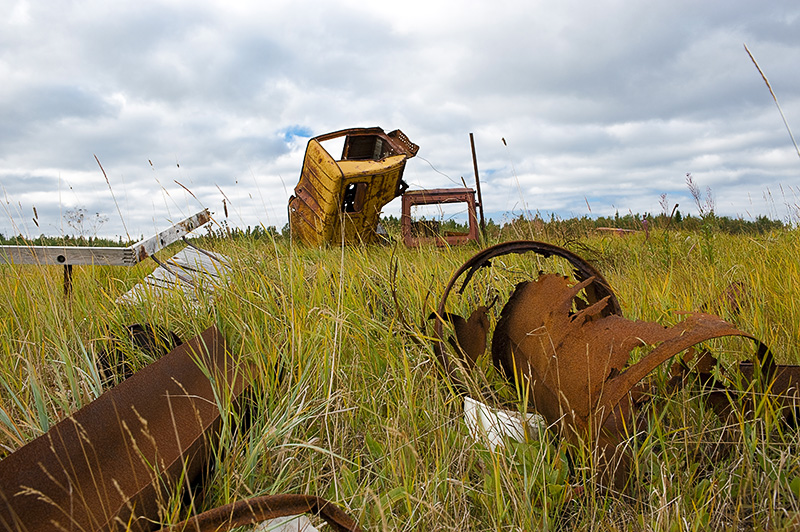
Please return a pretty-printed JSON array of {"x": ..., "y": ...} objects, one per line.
[
  {"x": 297, "y": 523},
  {"x": 490, "y": 425},
  {"x": 189, "y": 270}
]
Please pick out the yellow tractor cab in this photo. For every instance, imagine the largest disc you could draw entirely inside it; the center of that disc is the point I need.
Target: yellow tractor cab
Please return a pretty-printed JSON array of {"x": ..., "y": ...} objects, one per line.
[{"x": 340, "y": 201}]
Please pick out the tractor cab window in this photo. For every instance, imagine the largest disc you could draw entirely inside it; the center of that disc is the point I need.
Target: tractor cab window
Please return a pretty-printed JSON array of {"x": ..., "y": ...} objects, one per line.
[{"x": 353, "y": 199}]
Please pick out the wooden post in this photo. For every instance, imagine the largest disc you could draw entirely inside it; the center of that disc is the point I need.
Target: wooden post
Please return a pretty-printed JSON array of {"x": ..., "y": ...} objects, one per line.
[
  {"x": 478, "y": 185},
  {"x": 67, "y": 281}
]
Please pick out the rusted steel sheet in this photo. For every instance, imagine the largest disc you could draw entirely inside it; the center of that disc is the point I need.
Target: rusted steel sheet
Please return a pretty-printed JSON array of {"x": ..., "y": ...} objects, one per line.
[
  {"x": 340, "y": 200},
  {"x": 108, "y": 466},
  {"x": 568, "y": 343},
  {"x": 439, "y": 196}
]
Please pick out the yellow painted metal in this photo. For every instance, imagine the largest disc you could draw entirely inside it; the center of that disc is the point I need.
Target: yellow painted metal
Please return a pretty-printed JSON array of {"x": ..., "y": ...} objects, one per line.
[{"x": 340, "y": 201}]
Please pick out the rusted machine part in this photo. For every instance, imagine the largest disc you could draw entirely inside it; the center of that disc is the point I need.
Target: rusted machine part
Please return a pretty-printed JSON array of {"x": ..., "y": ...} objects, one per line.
[
  {"x": 111, "y": 464},
  {"x": 575, "y": 364},
  {"x": 569, "y": 344},
  {"x": 258, "y": 509},
  {"x": 339, "y": 200},
  {"x": 597, "y": 290}
]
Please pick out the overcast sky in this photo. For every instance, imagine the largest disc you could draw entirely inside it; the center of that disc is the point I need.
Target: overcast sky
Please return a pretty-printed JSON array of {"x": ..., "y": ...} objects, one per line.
[{"x": 604, "y": 106}]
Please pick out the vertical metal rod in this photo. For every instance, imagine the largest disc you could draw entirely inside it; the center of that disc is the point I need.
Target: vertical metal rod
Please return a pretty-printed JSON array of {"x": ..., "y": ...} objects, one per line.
[
  {"x": 478, "y": 184},
  {"x": 67, "y": 281}
]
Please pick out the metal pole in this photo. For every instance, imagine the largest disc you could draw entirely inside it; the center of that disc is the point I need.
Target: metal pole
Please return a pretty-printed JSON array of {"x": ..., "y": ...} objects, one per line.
[
  {"x": 478, "y": 184},
  {"x": 67, "y": 281}
]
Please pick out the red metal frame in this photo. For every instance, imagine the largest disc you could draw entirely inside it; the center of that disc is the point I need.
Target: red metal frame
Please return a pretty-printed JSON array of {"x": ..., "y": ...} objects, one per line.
[{"x": 434, "y": 197}]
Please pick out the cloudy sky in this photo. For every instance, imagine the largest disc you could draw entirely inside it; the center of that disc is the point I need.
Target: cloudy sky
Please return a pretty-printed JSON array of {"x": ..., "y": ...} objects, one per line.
[{"x": 604, "y": 106}]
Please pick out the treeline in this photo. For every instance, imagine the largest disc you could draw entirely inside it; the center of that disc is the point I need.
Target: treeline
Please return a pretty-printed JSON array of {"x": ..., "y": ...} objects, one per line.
[
  {"x": 738, "y": 225},
  {"x": 519, "y": 227},
  {"x": 537, "y": 224},
  {"x": 66, "y": 240}
]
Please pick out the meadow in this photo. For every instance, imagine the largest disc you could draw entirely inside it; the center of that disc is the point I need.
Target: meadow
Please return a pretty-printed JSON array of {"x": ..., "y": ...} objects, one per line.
[{"x": 349, "y": 404}]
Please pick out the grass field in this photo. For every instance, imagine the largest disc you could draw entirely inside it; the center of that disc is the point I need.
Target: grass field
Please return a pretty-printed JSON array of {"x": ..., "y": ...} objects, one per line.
[{"x": 360, "y": 414}]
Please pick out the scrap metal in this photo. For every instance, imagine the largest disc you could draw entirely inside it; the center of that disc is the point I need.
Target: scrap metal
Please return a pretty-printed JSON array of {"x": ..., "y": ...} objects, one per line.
[
  {"x": 190, "y": 270},
  {"x": 68, "y": 256},
  {"x": 569, "y": 344},
  {"x": 258, "y": 509},
  {"x": 153, "y": 340},
  {"x": 438, "y": 196},
  {"x": 114, "y": 464},
  {"x": 110, "y": 464},
  {"x": 340, "y": 200},
  {"x": 102, "y": 255}
]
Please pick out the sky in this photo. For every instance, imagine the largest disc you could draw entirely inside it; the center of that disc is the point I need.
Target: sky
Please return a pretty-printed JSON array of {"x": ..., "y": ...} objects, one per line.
[{"x": 577, "y": 108}]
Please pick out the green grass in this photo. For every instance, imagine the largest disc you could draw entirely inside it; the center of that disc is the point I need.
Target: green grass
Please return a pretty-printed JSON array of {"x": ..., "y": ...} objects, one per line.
[{"x": 361, "y": 414}]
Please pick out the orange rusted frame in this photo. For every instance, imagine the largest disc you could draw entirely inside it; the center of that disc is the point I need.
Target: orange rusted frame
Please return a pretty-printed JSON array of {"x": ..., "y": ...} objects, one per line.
[{"x": 439, "y": 196}]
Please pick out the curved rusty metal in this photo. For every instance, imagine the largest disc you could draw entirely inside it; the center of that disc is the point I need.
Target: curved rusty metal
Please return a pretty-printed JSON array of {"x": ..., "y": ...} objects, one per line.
[
  {"x": 258, "y": 509},
  {"x": 582, "y": 269},
  {"x": 569, "y": 345}
]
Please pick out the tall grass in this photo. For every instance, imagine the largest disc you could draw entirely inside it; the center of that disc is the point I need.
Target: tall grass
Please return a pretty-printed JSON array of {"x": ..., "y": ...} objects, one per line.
[{"x": 348, "y": 403}]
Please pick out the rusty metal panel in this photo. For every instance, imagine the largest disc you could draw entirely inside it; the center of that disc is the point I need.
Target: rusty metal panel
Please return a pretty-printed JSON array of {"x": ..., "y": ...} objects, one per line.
[
  {"x": 438, "y": 196},
  {"x": 107, "y": 466},
  {"x": 341, "y": 200}
]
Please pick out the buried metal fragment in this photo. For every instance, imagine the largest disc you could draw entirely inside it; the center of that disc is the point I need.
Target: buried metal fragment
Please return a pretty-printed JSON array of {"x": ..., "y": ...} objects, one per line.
[
  {"x": 257, "y": 509},
  {"x": 568, "y": 344},
  {"x": 153, "y": 340},
  {"x": 114, "y": 464}
]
